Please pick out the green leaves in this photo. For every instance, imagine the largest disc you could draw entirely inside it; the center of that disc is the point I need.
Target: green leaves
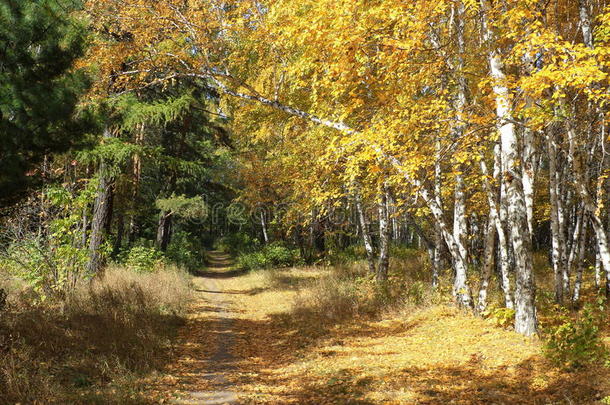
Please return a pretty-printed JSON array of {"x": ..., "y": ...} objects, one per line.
[
  {"x": 577, "y": 343},
  {"x": 187, "y": 208}
]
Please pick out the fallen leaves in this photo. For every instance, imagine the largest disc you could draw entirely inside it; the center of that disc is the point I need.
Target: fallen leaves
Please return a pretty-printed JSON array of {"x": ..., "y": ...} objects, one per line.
[{"x": 435, "y": 355}]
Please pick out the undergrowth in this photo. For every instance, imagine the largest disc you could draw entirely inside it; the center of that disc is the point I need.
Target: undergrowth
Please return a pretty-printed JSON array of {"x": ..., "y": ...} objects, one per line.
[
  {"x": 349, "y": 292},
  {"x": 572, "y": 343},
  {"x": 95, "y": 338},
  {"x": 270, "y": 256}
]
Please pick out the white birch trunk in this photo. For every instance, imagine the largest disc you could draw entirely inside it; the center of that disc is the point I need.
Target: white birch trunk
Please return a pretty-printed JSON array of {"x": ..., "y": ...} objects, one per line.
[
  {"x": 437, "y": 264},
  {"x": 580, "y": 257},
  {"x": 562, "y": 199},
  {"x": 557, "y": 244},
  {"x": 488, "y": 261},
  {"x": 264, "y": 227},
  {"x": 366, "y": 236},
  {"x": 460, "y": 230},
  {"x": 529, "y": 173},
  {"x": 464, "y": 296},
  {"x": 575, "y": 244},
  {"x": 525, "y": 311},
  {"x": 459, "y": 212},
  {"x": 585, "y": 23},
  {"x": 598, "y": 226},
  {"x": 598, "y": 270},
  {"x": 589, "y": 204},
  {"x": 502, "y": 239},
  {"x": 384, "y": 238}
]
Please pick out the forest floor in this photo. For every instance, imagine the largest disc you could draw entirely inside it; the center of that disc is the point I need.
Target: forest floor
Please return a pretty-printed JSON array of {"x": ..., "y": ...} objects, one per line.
[{"x": 245, "y": 343}]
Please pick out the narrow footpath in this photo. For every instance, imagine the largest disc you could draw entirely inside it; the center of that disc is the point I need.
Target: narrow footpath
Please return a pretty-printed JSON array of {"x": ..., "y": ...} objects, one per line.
[{"x": 204, "y": 356}]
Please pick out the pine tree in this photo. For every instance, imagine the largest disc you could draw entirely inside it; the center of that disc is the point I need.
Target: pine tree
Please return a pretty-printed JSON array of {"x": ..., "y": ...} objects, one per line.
[{"x": 39, "y": 87}]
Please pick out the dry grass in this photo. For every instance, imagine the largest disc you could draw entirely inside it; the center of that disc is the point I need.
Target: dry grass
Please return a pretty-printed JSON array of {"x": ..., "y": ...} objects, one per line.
[
  {"x": 90, "y": 346},
  {"x": 322, "y": 335}
]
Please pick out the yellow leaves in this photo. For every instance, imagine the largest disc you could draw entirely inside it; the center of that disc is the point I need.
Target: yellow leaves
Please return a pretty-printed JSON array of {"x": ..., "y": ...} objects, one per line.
[{"x": 472, "y": 5}]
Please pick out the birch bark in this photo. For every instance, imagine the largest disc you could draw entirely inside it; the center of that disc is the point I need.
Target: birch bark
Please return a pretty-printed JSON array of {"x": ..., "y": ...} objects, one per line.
[
  {"x": 494, "y": 215},
  {"x": 366, "y": 236},
  {"x": 384, "y": 237},
  {"x": 557, "y": 245},
  {"x": 525, "y": 312}
]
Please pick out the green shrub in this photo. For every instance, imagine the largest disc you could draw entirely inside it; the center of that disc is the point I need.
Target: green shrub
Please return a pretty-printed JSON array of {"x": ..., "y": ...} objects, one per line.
[
  {"x": 185, "y": 250},
  {"x": 49, "y": 265},
  {"x": 350, "y": 254},
  {"x": 273, "y": 255},
  {"x": 576, "y": 343},
  {"x": 252, "y": 261},
  {"x": 142, "y": 259},
  {"x": 48, "y": 251},
  {"x": 503, "y": 317},
  {"x": 401, "y": 252},
  {"x": 236, "y": 243},
  {"x": 416, "y": 293},
  {"x": 280, "y": 255}
]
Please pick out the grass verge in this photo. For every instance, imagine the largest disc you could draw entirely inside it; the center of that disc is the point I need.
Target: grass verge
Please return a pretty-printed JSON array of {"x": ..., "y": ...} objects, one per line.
[
  {"x": 91, "y": 345},
  {"x": 329, "y": 336}
]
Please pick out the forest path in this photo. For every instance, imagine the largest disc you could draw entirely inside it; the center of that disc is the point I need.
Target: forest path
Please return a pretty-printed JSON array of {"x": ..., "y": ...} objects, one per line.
[
  {"x": 264, "y": 337},
  {"x": 204, "y": 356}
]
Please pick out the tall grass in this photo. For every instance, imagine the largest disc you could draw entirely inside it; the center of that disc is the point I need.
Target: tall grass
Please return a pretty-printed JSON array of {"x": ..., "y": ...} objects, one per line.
[
  {"x": 348, "y": 292},
  {"x": 113, "y": 329}
]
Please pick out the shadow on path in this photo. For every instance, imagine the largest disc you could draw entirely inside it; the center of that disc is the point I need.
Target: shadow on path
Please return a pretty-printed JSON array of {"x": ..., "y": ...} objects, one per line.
[
  {"x": 219, "y": 274},
  {"x": 209, "y": 335}
]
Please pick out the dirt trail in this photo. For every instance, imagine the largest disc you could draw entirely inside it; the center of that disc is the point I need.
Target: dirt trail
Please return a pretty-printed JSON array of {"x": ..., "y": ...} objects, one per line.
[
  {"x": 205, "y": 356},
  {"x": 245, "y": 343}
]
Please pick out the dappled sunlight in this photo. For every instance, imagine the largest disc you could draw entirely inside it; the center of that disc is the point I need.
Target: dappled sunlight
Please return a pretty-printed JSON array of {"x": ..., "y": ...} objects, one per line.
[
  {"x": 305, "y": 202},
  {"x": 432, "y": 355},
  {"x": 436, "y": 356}
]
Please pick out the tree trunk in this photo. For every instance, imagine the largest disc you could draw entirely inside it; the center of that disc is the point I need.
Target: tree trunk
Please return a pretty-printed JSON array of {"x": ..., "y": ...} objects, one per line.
[
  {"x": 459, "y": 211},
  {"x": 463, "y": 294},
  {"x": 164, "y": 229},
  {"x": 598, "y": 270},
  {"x": 460, "y": 229},
  {"x": 461, "y": 291},
  {"x": 563, "y": 199},
  {"x": 84, "y": 227},
  {"x": 101, "y": 213},
  {"x": 459, "y": 233},
  {"x": 136, "y": 179},
  {"x": 118, "y": 242},
  {"x": 585, "y": 23},
  {"x": 558, "y": 244},
  {"x": 589, "y": 204},
  {"x": 264, "y": 227},
  {"x": 598, "y": 226},
  {"x": 525, "y": 314},
  {"x": 574, "y": 254},
  {"x": 580, "y": 265},
  {"x": 488, "y": 261},
  {"x": 366, "y": 236},
  {"x": 437, "y": 261},
  {"x": 384, "y": 237},
  {"x": 529, "y": 173},
  {"x": 502, "y": 239}
]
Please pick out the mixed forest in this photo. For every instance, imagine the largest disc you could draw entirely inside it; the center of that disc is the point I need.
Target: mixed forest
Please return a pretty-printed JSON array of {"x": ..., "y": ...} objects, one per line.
[{"x": 331, "y": 167}]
